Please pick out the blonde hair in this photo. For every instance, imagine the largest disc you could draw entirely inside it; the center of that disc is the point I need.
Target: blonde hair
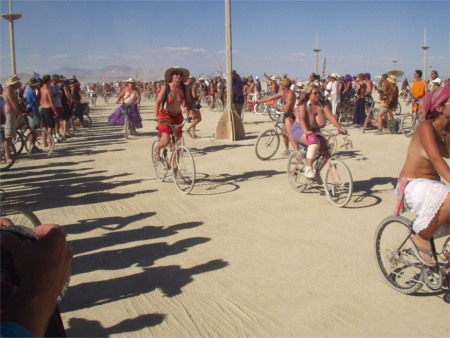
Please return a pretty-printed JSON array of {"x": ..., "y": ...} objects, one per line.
[{"x": 306, "y": 93}]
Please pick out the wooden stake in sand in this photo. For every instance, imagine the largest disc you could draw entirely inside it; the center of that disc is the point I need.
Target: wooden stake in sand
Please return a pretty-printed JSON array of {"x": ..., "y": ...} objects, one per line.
[{"x": 230, "y": 125}]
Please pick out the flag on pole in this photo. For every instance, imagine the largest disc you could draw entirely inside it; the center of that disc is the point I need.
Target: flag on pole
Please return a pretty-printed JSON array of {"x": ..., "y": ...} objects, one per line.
[{"x": 324, "y": 67}]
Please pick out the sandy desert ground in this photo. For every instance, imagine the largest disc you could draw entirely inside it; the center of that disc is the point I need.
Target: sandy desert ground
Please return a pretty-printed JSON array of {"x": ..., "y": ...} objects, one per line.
[{"x": 242, "y": 255}]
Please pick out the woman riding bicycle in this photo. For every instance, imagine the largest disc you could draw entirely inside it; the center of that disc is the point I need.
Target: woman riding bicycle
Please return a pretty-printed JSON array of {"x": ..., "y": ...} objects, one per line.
[
  {"x": 419, "y": 181},
  {"x": 169, "y": 104},
  {"x": 130, "y": 96},
  {"x": 310, "y": 117}
]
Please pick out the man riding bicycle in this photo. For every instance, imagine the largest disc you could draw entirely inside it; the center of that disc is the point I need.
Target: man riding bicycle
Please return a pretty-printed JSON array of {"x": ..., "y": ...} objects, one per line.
[{"x": 169, "y": 104}]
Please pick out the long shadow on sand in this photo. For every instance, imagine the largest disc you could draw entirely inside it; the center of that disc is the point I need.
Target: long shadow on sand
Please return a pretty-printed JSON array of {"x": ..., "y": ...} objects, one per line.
[
  {"x": 80, "y": 327},
  {"x": 169, "y": 279},
  {"x": 365, "y": 194}
]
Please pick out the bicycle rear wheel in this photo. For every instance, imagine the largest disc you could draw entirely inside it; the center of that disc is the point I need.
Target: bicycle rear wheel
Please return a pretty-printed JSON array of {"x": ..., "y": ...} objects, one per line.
[
  {"x": 395, "y": 258},
  {"x": 4, "y": 146},
  {"x": 183, "y": 170},
  {"x": 20, "y": 215},
  {"x": 296, "y": 171},
  {"x": 39, "y": 143},
  {"x": 338, "y": 183},
  {"x": 71, "y": 127},
  {"x": 407, "y": 125},
  {"x": 346, "y": 116},
  {"x": 267, "y": 144}
]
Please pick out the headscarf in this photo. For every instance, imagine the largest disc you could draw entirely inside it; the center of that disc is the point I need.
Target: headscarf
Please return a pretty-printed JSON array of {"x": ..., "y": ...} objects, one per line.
[{"x": 433, "y": 99}]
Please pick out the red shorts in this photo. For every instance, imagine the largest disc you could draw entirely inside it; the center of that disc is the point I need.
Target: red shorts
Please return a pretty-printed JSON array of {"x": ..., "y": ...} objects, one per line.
[{"x": 174, "y": 118}]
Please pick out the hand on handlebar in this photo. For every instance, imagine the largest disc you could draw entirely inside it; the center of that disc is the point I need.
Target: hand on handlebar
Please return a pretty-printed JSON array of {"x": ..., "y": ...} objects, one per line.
[{"x": 343, "y": 131}]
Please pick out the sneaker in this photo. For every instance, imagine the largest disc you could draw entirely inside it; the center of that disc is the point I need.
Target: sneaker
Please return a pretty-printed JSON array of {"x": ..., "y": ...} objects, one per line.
[
  {"x": 156, "y": 157},
  {"x": 309, "y": 173},
  {"x": 59, "y": 137},
  {"x": 56, "y": 139},
  {"x": 379, "y": 132}
]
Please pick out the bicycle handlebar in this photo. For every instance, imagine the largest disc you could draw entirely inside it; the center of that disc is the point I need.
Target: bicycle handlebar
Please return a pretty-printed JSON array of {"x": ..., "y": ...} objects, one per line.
[{"x": 160, "y": 120}]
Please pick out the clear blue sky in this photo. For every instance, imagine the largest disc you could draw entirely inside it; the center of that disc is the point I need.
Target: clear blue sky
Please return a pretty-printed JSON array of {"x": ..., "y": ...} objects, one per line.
[{"x": 268, "y": 36}]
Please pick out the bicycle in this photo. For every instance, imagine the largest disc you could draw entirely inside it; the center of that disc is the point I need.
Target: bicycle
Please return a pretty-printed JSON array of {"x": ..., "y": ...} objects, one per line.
[
  {"x": 37, "y": 141},
  {"x": 346, "y": 112},
  {"x": 411, "y": 121},
  {"x": 4, "y": 145},
  {"x": 371, "y": 121},
  {"x": 338, "y": 181},
  {"x": 128, "y": 126},
  {"x": 398, "y": 262},
  {"x": 17, "y": 213},
  {"x": 180, "y": 161},
  {"x": 80, "y": 119}
]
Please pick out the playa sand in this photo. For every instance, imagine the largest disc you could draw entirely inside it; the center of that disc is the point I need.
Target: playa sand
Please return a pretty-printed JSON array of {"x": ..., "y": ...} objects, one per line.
[{"x": 243, "y": 255}]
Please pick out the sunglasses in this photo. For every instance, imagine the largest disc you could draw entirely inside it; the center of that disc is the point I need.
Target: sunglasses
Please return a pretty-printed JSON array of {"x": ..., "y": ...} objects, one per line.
[
  {"x": 177, "y": 74},
  {"x": 315, "y": 93}
]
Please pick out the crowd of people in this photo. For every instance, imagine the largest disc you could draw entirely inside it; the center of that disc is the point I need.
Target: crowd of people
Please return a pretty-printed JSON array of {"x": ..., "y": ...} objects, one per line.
[{"x": 50, "y": 101}]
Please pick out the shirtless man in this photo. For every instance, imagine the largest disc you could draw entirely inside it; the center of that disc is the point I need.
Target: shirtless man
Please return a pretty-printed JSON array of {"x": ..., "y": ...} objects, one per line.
[
  {"x": 169, "y": 105},
  {"x": 288, "y": 97},
  {"x": 48, "y": 109},
  {"x": 13, "y": 111}
]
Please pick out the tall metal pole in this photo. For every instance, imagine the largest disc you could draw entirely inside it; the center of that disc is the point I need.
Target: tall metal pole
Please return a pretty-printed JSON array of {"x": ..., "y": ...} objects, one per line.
[
  {"x": 11, "y": 17},
  {"x": 395, "y": 61},
  {"x": 425, "y": 48},
  {"x": 317, "y": 50}
]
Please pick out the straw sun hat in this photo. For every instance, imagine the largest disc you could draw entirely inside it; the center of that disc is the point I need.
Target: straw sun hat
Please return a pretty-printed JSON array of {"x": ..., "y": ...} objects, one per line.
[{"x": 170, "y": 71}]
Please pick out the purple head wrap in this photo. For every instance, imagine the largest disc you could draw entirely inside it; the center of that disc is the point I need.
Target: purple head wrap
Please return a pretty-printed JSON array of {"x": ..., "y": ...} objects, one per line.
[{"x": 434, "y": 99}]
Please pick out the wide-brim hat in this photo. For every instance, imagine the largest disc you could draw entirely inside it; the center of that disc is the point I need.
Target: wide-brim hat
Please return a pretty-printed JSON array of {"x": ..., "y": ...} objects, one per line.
[
  {"x": 33, "y": 82},
  {"x": 13, "y": 79},
  {"x": 286, "y": 82},
  {"x": 392, "y": 79},
  {"x": 335, "y": 76},
  {"x": 170, "y": 71},
  {"x": 130, "y": 80}
]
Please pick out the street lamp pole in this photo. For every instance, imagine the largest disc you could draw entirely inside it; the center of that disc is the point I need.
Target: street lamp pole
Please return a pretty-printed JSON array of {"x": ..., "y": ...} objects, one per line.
[
  {"x": 317, "y": 50},
  {"x": 395, "y": 62},
  {"x": 11, "y": 17},
  {"x": 425, "y": 48}
]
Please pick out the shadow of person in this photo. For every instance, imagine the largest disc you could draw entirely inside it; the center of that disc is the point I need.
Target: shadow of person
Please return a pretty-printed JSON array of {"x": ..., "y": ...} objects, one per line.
[
  {"x": 169, "y": 279},
  {"x": 80, "y": 327}
]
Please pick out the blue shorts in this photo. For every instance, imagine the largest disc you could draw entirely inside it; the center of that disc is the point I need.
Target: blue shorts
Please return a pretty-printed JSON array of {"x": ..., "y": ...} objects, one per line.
[{"x": 297, "y": 131}]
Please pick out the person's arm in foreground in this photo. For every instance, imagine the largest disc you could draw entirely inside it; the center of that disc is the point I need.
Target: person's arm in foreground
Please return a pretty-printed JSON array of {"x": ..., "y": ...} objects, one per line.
[{"x": 43, "y": 268}]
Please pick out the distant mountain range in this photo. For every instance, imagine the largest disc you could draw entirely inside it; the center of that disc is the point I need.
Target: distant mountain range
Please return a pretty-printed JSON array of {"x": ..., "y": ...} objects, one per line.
[{"x": 106, "y": 74}]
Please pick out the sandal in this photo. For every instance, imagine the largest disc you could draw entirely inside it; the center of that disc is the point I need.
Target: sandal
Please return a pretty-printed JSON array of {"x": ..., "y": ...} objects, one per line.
[
  {"x": 418, "y": 250},
  {"x": 286, "y": 153}
]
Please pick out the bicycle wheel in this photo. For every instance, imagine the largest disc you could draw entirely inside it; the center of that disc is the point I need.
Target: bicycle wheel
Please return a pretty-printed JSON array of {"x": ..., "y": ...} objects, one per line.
[
  {"x": 20, "y": 215},
  {"x": 346, "y": 117},
  {"x": 338, "y": 183},
  {"x": 219, "y": 105},
  {"x": 87, "y": 121},
  {"x": 407, "y": 125},
  {"x": 183, "y": 170},
  {"x": 39, "y": 143},
  {"x": 395, "y": 258},
  {"x": 296, "y": 171},
  {"x": 71, "y": 127},
  {"x": 159, "y": 166},
  {"x": 267, "y": 144},
  {"x": 4, "y": 145},
  {"x": 19, "y": 142},
  {"x": 126, "y": 126}
]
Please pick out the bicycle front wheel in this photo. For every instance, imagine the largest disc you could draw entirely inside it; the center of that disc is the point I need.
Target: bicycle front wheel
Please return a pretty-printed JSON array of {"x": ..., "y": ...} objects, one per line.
[
  {"x": 159, "y": 165},
  {"x": 71, "y": 127},
  {"x": 346, "y": 116},
  {"x": 7, "y": 146},
  {"x": 338, "y": 183},
  {"x": 395, "y": 258},
  {"x": 39, "y": 143},
  {"x": 20, "y": 215},
  {"x": 267, "y": 144},
  {"x": 296, "y": 171},
  {"x": 407, "y": 125},
  {"x": 183, "y": 169}
]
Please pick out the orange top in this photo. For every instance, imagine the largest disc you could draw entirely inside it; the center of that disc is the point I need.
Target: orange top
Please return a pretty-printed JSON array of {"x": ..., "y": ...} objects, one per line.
[{"x": 418, "y": 89}]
